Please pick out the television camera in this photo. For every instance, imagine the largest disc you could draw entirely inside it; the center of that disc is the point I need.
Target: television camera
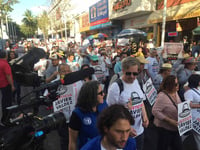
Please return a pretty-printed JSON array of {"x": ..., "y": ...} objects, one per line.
[
  {"x": 22, "y": 67},
  {"x": 28, "y": 131}
]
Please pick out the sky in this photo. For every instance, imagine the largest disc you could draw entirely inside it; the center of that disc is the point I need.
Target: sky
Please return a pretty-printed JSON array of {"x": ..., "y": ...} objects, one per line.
[{"x": 37, "y": 6}]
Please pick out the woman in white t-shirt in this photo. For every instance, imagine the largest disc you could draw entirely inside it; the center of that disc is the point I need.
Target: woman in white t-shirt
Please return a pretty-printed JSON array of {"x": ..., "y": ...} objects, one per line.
[{"x": 193, "y": 95}]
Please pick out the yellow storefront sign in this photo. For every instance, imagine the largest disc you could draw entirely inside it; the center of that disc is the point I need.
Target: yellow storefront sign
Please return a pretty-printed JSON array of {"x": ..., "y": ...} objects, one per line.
[{"x": 84, "y": 24}]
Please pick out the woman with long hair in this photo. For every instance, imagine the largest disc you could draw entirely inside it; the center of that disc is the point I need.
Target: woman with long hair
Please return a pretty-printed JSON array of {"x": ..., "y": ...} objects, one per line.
[
  {"x": 82, "y": 125},
  {"x": 165, "y": 113}
]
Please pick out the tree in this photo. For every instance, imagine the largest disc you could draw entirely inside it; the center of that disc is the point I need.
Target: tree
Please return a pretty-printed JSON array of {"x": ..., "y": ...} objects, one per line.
[
  {"x": 43, "y": 23},
  {"x": 6, "y": 6},
  {"x": 29, "y": 26}
]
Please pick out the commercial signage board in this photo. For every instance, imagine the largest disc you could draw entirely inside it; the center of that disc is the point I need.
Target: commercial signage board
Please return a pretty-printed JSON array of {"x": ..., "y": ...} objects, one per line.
[
  {"x": 99, "y": 13},
  {"x": 84, "y": 24}
]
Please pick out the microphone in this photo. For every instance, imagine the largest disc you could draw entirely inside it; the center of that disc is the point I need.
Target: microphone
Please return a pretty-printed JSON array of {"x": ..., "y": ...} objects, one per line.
[
  {"x": 68, "y": 79},
  {"x": 78, "y": 75}
]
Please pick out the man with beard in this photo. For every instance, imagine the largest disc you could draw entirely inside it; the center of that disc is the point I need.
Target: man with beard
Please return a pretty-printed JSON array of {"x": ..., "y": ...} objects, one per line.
[{"x": 114, "y": 124}]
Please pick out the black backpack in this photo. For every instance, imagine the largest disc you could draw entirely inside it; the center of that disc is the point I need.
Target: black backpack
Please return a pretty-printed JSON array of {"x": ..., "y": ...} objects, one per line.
[{"x": 120, "y": 84}]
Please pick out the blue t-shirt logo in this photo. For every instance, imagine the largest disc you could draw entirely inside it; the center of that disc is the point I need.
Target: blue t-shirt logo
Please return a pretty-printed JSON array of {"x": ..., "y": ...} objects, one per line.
[{"x": 87, "y": 121}]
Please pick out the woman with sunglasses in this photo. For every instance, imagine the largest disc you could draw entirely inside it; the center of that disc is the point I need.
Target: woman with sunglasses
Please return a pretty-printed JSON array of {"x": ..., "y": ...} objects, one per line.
[
  {"x": 165, "y": 113},
  {"x": 82, "y": 125}
]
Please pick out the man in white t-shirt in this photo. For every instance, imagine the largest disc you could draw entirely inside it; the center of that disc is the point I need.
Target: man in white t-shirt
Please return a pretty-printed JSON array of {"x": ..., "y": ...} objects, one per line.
[{"x": 132, "y": 97}]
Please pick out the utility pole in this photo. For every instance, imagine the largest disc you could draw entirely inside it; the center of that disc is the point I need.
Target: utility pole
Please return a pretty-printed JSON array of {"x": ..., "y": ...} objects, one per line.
[
  {"x": 164, "y": 23},
  {"x": 7, "y": 29},
  {"x": 15, "y": 34}
]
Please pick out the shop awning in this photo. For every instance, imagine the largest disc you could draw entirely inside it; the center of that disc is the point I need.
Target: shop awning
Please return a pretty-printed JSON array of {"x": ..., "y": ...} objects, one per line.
[
  {"x": 183, "y": 11},
  {"x": 196, "y": 31}
]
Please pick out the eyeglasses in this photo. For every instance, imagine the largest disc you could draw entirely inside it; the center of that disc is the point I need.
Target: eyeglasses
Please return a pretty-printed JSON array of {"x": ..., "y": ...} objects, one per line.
[
  {"x": 100, "y": 93},
  {"x": 133, "y": 73},
  {"x": 176, "y": 84},
  {"x": 95, "y": 61}
]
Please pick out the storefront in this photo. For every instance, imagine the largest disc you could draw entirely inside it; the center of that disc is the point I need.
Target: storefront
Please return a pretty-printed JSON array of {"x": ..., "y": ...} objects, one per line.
[
  {"x": 84, "y": 25},
  {"x": 181, "y": 19},
  {"x": 133, "y": 14}
]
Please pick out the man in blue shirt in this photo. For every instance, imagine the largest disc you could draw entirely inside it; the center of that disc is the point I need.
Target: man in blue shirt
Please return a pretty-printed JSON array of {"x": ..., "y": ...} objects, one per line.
[{"x": 114, "y": 124}]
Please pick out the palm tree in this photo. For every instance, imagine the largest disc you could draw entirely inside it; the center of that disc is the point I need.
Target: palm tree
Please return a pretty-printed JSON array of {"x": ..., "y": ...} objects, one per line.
[
  {"x": 28, "y": 19},
  {"x": 30, "y": 22}
]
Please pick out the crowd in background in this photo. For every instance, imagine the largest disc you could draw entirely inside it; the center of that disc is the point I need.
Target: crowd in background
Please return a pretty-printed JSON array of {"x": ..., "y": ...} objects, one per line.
[{"x": 134, "y": 63}]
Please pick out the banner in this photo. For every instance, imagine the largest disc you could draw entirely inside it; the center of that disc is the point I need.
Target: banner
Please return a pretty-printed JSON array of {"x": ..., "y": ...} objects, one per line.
[
  {"x": 184, "y": 117},
  {"x": 173, "y": 51},
  {"x": 150, "y": 91}
]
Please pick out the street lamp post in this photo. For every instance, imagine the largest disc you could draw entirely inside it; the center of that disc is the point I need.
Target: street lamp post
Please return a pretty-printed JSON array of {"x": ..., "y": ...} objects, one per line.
[
  {"x": 1, "y": 20},
  {"x": 164, "y": 23},
  {"x": 65, "y": 26}
]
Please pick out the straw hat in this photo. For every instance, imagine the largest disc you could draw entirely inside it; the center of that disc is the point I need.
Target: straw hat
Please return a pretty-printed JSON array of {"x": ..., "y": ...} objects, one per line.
[
  {"x": 166, "y": 66},
  {"x": 142, "y": 60},
  {"x": 186, "y": 55},
  {"x": 189, "y": 60}
]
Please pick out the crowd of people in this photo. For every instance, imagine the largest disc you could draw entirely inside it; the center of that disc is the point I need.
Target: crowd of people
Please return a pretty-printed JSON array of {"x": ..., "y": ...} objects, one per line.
[{"x": 110, "y": 109}]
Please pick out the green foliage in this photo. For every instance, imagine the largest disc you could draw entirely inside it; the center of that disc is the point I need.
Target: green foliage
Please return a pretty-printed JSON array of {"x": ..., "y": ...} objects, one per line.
[
  {"x": 43, "y": 23},
  {"x": 29, "y": 26},
  {"x": 6, "y": 6}
]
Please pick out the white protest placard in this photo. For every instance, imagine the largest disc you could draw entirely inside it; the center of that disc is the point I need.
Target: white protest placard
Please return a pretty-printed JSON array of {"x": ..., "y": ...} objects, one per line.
[
  {"x": 99, "y": 73},
  {"x": 184, "y": 118},
  {"x": 136, "y": 105},
  {"x": 172, "y": 51},
  {"x": 66, "y": 101},
  {"x": 150, "y": 91},
  {"x": 196, "y": 120},
  {"x": 122, "y": 41}
]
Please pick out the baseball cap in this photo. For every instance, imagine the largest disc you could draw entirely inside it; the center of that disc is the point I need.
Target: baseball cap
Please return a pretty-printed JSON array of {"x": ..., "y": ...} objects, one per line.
[{"x": 94, "y": 58}]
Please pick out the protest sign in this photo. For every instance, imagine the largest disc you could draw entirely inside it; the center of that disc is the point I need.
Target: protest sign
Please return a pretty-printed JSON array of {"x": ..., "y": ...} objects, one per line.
[
  {"x": 99, "y": 72},
  {"x": 137, "y": 104},
  {"x": 150, "y": 91},
  {"x": 196, "y": 120},
  {"x": 66, "y": 101},
  {"x": 172, "y": 51},
  {"x": 184, "y": 118}
]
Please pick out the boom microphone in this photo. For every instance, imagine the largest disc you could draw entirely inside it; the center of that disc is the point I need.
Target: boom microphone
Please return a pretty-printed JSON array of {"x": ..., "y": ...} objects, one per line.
[{"x": 78, "y": 75}]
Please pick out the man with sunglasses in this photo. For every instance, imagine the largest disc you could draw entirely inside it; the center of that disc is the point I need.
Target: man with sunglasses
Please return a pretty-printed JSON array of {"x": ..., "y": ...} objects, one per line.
[{"x": 132, "y": 97}]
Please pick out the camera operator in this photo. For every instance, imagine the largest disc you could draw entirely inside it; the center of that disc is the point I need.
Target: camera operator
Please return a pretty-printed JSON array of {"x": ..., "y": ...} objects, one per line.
[
  {"x": 52, "y": 70},
  {"x": 6, "y": 86},
  {"x": 68, "y": 94}
]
